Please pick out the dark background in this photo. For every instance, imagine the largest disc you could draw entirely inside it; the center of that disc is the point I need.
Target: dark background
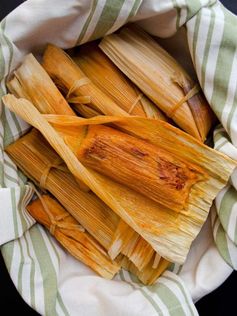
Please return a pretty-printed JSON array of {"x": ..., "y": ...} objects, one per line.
[{"x": 221, "y": 302}]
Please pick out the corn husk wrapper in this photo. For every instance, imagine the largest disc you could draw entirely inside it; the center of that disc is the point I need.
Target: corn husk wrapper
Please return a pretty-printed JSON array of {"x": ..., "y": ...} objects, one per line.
[
  {"x": 99, "y": 69},
  {"x": 30, "y": 82},
  {"x": 72, "y": 236},
  {"x": 169, "y": 233},
  {"x": 133, "y": 246},
  {"x": 161, "y": 78}
]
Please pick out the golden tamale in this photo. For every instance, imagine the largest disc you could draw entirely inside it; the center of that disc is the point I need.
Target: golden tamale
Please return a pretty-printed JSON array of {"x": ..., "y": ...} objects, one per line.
[
  {"x": 139, "y": 165},
  {"x": 72, "y": 236},
  {"x": 161, "y": 78},
  {"x": 74, "y": 82}
]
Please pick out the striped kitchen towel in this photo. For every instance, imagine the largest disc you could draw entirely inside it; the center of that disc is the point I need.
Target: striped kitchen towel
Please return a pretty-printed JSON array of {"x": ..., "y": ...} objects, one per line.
[{"x": 47, "y": 277}]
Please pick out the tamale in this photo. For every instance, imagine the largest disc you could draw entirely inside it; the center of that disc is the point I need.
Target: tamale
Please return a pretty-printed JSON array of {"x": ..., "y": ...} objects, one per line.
[
  {"x": 161, "y": 78},
  {"x": 78, "y": 242},
  {"x": 99, "y": 69},
  {"x": 74, "y": 82},
  {"x": 168, "y": 232},
  {"x": 40, "y": 162},
  {"x": 141, "y": 166}
]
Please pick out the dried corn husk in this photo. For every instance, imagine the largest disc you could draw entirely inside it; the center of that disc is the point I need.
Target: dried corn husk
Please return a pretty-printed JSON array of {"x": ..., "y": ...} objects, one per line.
[
  {"x": 74, "y": 82},
  {"x": 72, "y": 236},
  {"x": 109, "y": 79},
  {"x": 161, "y": 78},
  {"x": 168, "y": 232}
]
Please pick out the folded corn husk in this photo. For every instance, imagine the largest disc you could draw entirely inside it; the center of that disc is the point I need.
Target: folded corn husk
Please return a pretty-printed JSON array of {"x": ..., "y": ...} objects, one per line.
[
  {"x": 85, "y": 110},
  {"x": 168, "y": 232},
  {"x": 72, "y": 236},
  {"x": 99, "y": 69},
  {"x": 161, "y": 78}
]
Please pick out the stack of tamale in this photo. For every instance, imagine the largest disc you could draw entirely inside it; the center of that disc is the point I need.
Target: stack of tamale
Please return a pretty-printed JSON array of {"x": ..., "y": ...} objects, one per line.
[{"x": 140, "y": 187}]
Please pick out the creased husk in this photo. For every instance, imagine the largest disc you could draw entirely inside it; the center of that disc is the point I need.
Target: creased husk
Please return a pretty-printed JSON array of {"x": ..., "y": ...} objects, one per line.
[
  {"x": 68, "y": 232},
  {"x": 97, "y": 66},
  {"x": 160, "y": 77},
  {"x": 85, "y": 110},
  {"x": 169, "y": 233}
]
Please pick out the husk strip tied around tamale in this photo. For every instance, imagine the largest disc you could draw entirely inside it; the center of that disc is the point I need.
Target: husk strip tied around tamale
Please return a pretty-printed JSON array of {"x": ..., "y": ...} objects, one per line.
[
  {"x": 168, "y": 233},
  {"x": 161, "y": 78}
]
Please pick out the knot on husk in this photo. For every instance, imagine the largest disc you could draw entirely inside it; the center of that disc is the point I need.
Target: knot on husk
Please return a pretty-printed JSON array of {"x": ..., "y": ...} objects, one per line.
[
  {"x": 76, "y": 85},
  {"x": 56, "y": 221},
  {"x": 57, "y": 165},
  {"x": 190, "y": 92}
]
